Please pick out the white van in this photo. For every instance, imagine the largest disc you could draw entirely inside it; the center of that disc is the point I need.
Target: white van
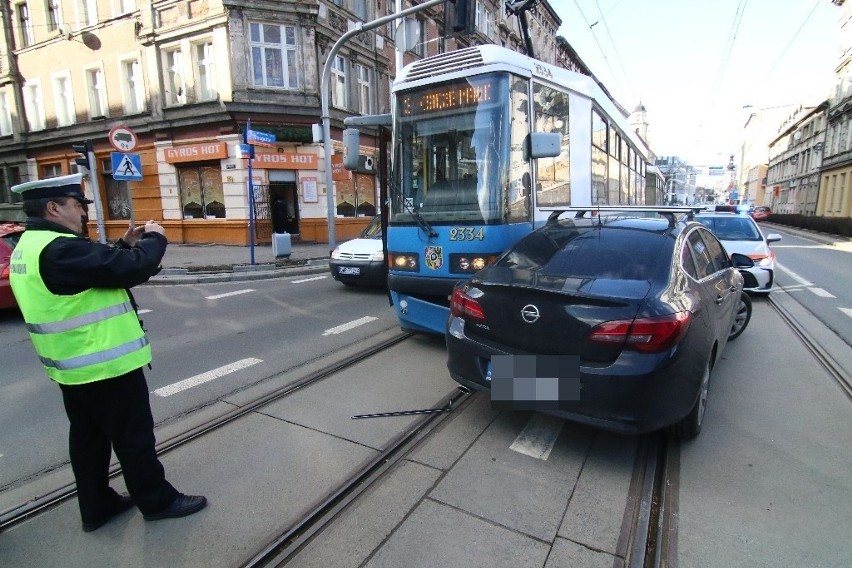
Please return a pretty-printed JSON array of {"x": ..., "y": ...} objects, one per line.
[{"x": 361, "y": 260}]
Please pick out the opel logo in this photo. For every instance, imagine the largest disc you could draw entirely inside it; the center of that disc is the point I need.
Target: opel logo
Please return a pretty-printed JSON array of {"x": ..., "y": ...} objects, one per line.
[{"x": 530, "y": 313}]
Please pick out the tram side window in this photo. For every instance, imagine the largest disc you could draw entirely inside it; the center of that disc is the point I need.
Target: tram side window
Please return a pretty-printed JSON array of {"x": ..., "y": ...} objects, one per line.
[
  {"x": 551, "y": 115},
  {"x": 613, "y": 172},
  {"x": 599, "y": 158},
  {"x": 519, "y": 170}
]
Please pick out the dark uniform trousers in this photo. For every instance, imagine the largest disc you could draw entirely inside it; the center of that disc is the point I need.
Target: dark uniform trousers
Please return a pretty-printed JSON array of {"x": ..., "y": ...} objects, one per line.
[{"x": 114, "y": 414}]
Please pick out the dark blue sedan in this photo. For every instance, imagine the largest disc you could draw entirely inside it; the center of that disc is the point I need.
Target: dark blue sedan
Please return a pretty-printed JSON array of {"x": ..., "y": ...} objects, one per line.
[{"x": 615, "y": 321}]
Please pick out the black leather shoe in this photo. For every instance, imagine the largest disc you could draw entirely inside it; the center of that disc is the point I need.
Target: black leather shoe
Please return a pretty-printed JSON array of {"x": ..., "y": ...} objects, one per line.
[
  {"x": 182, "y": 506},
  {"x": 123, "y": 503}
]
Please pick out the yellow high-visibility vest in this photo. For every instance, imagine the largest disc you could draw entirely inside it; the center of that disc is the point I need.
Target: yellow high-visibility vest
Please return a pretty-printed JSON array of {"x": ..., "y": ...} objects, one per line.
[{"x": 80, "y": 338}]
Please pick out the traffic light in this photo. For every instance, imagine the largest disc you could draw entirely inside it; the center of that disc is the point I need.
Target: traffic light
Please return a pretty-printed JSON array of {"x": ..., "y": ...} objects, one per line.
[{"x": 83, "y": 149}]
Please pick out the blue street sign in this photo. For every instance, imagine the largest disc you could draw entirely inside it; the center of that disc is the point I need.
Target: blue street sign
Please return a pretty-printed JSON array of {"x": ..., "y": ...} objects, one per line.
[
  {"x": 260, "y": 138},
  {"x": 246, "y": 151},
  {"x": 126, "y": 167}
]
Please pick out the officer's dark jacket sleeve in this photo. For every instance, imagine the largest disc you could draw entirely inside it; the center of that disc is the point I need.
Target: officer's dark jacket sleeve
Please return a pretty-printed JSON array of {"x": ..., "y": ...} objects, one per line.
[{"x": 71, "y": 265}]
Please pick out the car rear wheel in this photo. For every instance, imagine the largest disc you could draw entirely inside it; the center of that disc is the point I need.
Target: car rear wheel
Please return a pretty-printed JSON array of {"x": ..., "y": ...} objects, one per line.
[
  {"x": 741, "y": 318},
  {"x": 690, "y": 426}
]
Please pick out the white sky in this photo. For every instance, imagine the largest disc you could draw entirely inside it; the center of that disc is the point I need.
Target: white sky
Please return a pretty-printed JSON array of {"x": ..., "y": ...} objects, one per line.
[{"x": 694, "y": 64}]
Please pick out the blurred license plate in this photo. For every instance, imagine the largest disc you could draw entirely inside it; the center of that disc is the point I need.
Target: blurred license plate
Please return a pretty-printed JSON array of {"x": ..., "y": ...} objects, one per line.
[{"x": 350, "y": 270}]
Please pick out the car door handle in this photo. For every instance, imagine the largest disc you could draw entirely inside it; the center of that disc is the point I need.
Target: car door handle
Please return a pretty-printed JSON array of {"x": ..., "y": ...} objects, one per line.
[
  {"x": 719, "y": 299},
  {"x": 733, "y": 289}
]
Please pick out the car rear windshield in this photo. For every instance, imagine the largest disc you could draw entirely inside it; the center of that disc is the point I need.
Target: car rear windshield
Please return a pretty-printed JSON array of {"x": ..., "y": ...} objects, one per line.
[
  {"x": 594, "y": 252},
  {"x": 733, "y": 228}
]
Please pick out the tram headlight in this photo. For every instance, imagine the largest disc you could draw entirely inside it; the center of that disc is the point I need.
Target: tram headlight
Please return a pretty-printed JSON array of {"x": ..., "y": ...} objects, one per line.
[
  {"x": 470, "y": 263},
  {"x": 403, "y": 261}
]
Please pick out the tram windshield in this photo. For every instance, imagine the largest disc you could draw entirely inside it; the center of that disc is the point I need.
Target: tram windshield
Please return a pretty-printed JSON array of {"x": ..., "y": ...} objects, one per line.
[{"x": 452, "y": 150}]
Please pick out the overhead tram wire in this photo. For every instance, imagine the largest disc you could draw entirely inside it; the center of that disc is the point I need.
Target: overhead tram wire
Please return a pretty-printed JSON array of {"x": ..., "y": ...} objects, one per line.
[
  {"x": 729, "y": 48},
  {"x": 594, "y": 37},
  {"x": 615, "y": 49},
  {"x": 784, "y": 51}
]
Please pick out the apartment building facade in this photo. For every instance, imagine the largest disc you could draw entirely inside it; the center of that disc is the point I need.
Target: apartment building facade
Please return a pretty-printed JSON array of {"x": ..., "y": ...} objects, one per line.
[
  {"x": 187, "y": 77},
  {"x": 795, "y": 161}
]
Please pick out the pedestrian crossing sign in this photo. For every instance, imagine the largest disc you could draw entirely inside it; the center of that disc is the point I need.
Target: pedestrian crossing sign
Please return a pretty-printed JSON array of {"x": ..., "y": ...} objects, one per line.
[{"x": 126, "y": 167}]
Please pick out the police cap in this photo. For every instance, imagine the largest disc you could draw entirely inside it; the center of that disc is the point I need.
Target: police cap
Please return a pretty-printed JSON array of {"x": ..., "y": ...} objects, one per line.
[{"x": 62, "y": 186}]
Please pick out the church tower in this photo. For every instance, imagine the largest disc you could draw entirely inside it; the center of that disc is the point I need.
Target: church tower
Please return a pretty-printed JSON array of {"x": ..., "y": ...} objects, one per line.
[{"x": 639, "y": 122}]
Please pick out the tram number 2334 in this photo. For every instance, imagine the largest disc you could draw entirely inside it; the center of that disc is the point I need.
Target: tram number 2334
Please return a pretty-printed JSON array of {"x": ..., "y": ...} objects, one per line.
[{"x": 467, "y": 234}]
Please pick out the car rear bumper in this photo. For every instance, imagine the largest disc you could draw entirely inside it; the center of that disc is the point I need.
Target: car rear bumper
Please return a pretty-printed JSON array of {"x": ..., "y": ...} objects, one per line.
[{"x": 635, "y": 394}]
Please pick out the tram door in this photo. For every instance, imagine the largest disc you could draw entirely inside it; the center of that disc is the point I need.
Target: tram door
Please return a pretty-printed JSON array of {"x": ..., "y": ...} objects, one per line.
[{"x": 284, "y": 201}]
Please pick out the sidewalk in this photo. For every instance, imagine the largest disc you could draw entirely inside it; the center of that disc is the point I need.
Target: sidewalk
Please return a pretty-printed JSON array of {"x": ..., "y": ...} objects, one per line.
[{"x": 192, "y": 263}]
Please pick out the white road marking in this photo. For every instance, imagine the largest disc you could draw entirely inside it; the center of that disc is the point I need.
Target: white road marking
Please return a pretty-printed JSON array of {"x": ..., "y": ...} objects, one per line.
[
  {"x": 308, "y": 279},
  {"x": 140, "y": 312},
  {"x": 206, "y": 377},
  {"x": 538, "y": 436},
  {"x": 348, "y": 326},
  {"x": 225, "y": 295},
  {"x": 822, "y": 293},
  {"x": 847, "y": 311},
  {"x": 793, "y": 275}
]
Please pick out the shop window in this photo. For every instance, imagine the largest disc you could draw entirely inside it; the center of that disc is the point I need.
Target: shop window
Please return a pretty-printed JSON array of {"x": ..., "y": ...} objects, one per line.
[
  {"x": 201, "y": 192},
  {"x": 117, "y": 194}
]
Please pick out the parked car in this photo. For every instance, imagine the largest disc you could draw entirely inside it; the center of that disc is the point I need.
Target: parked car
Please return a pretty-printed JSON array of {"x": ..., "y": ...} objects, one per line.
[
  {"x": 361, "y": 260},
  {"x": 761, "y": 213},
  {"x": 630, "y": 314},
  {"x": 740, "y": 234},
  {"x": 10, "y": 233}
]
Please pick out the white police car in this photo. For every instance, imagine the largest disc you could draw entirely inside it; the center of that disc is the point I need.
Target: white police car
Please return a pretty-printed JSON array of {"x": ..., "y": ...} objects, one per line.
[{"x": 361, "y": 260}]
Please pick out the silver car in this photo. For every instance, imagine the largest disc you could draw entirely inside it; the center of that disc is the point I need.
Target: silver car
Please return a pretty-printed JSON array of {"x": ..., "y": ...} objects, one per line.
[{"x": 739, "y": 233}]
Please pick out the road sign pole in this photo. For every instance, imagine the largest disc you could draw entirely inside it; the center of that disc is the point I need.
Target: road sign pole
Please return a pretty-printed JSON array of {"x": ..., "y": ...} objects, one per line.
[
  {"x": 251, "y": 193},
  {"x": 130, "y": 203},
  {"x": 96, "y": 194}
]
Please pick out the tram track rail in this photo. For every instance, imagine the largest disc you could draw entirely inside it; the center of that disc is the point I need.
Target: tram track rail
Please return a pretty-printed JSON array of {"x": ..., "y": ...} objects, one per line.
[
  {"x": 17, "y": 514},
  {"x": 832, "y": 367}
]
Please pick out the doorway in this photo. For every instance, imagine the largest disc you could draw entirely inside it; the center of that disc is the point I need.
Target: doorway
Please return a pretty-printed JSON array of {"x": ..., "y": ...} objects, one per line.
[{"x": 284, "y": 199}]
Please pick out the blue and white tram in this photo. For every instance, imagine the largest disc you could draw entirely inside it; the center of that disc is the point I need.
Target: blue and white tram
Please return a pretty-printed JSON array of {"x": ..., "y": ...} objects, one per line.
[{"x": 483, "y": 139}]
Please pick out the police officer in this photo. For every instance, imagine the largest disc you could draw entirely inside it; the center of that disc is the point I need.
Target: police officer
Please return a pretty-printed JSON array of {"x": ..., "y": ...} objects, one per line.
[{"x": 75, "y": 299}]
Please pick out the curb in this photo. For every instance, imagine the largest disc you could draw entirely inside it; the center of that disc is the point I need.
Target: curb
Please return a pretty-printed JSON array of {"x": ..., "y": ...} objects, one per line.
[
  {"x": 825, "y": 238},
  {"x": 238, "y": 273}
]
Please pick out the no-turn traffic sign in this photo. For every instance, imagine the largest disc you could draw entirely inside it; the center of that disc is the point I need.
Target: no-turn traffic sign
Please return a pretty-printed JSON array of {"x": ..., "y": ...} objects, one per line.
[{"x": 122, "y": 138}]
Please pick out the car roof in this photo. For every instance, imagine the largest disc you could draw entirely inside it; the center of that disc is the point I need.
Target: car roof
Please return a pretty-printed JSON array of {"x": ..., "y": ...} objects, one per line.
[{"x": 9, "y": 228}]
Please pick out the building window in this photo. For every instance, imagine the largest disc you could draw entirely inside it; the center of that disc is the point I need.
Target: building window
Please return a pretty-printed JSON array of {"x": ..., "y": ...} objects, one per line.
[
  {"x": 63, "y": 97},
  {"x": 420, "y": 47},
  {"x": 132, "y": 86},
  {"x": 88, "y": 11},
  {"x": 5, "y": 115},
  {"x": 51, "y": 171},
  {"x": 484, "y": 19},
  {"x": 54, "y": 15},
  {"x": 120, "y": 7},
  {"x": 25, "y": 24},
  {"x": 205, "y": 82},
  {"x": 97, "y": 93},
  {"x": 338, "y": 83},
  {"x": 34, "y": 106},
  {"x": 175, "y": 83},
  {"x": 365, "y": 95},
  {"x": 273, "y": 55},
  {"x": 359, "y": 8}
]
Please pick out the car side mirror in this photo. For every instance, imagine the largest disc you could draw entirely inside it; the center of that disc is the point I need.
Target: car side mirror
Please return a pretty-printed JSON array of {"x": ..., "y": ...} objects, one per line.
[
  {"x": 773, "y": 237},
  {"x": 741, "y": 261}
]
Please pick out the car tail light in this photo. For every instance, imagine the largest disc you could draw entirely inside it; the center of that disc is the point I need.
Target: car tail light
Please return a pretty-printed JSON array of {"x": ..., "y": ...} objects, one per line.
[
  {"x": 648, "y": 335},
  {"x": 463, "y": 305}
]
